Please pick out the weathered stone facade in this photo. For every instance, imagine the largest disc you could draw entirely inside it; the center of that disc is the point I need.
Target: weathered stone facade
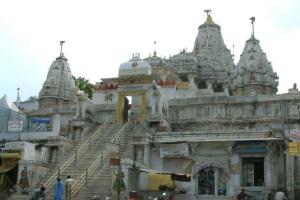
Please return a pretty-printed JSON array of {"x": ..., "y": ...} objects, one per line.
[
  {"x": 225, "y": 125},
  {"x": 217, "y": 126}
]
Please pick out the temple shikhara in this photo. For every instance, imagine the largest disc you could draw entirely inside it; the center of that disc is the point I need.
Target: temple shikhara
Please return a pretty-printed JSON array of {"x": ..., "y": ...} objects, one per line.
[{"x": 192, "y": 126}]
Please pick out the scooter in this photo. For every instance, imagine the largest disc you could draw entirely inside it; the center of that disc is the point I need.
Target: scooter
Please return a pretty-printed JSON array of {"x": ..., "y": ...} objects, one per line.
[{"x": 162, "y": 197}]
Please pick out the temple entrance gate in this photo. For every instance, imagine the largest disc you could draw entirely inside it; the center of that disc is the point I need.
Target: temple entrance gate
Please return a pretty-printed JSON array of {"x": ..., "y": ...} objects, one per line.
[{"x": 130, "y": 91}]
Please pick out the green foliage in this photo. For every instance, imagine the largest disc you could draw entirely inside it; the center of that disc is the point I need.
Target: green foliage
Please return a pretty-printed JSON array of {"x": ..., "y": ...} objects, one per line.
[
  {"x": 32, "y": 98},
  {"x": 84, "y": 85}
]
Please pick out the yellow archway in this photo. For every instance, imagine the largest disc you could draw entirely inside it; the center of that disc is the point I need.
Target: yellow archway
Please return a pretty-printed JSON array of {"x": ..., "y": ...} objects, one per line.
[{"x": 122, "y": 95}]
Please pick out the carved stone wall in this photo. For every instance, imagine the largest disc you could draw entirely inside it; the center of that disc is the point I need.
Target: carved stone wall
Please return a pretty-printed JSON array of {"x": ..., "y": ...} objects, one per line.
[{"x": 234, "y": 113}]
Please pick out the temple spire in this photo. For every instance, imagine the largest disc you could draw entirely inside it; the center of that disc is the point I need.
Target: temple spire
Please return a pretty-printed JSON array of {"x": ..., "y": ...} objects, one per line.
[
  {"x": 252, "y": 22},
  {"x": 18, "y": 97},
  {"x": 61, "y": 45},
  {"x": 154, "y": 46}
]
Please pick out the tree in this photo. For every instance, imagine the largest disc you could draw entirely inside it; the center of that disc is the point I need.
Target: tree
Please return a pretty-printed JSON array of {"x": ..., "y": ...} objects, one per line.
[
  {"x": 84, "y": 85},
  {"x": 32, "y": 98},
  {"x": 119, "y": 184}
]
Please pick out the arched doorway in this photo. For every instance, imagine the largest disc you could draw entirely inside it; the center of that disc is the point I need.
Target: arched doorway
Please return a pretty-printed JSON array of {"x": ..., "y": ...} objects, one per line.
[{"x": 212, "y": 181}]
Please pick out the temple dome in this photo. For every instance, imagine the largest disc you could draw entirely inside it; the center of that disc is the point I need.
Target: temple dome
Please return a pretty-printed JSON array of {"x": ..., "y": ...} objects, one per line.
[{"x": 135, "y": 66}]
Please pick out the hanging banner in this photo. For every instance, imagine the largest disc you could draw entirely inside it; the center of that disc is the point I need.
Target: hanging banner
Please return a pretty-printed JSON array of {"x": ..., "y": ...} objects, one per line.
[
  {"x": 15, "y": 126},
  {"x": 295, "y": 135},
  {"x": 294, "y": 148}
]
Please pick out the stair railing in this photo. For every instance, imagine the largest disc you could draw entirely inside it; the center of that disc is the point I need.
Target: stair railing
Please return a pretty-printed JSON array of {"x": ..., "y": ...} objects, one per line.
[
  {"x": 76, "y": 155},
  {"x": 82, "y": 180}
]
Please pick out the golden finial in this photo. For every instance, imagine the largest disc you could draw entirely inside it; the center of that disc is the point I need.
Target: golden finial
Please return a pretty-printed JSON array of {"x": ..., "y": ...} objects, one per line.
[{"x": 208, "y": 18}]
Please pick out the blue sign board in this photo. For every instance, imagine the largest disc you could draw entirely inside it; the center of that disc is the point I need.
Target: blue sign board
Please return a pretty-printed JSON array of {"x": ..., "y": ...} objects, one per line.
[
  {"x": 39, "y": 120},
  {"x": 250, "y": 147}
]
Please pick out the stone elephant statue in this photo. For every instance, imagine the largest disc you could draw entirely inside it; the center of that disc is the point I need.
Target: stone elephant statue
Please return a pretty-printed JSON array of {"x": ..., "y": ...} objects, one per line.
[{"x": 159, "y": 100}]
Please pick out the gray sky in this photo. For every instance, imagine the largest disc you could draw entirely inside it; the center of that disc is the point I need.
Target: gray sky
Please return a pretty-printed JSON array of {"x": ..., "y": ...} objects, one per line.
[{"x": 100, "y": 35}]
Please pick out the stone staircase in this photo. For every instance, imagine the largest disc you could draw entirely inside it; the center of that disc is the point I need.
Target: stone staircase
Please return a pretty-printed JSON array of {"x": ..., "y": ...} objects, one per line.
[
  {"x": 87, "y": 152},
  {"x": 100, "y": 184}
]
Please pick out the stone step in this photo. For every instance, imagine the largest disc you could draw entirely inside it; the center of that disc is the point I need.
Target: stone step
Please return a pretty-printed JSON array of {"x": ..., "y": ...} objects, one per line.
[
  {"x": 88, "y": 158},
  {"x": 19, "y": 197}
]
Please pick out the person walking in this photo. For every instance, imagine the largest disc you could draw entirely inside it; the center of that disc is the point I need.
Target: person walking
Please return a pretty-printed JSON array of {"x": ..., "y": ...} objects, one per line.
[
  {"x": 68, "y": 187},
  {"x": 280, "y": 195},
  {"x": 58, "y": 190}
]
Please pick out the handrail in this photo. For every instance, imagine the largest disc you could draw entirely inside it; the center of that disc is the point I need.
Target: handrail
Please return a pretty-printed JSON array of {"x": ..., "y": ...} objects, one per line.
[
  {"x": 79, "y": 153},
  {"x": 81, "y": 180}
]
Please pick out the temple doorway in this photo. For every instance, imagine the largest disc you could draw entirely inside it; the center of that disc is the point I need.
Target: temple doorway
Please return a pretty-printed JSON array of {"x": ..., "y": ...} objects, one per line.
[
  {"x": 8, "y": 179},
  {"x": 127, "y": 108},
  {"x": 131, "y": 106},
  {"x": 212, "y": 181}
]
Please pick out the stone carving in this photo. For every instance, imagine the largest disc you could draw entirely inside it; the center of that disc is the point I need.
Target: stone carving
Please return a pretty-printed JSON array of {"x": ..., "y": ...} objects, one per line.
[
  {"x": 109, "y": 97},
  {"x": 159, "y": 101},
  {"x": 24, "y": 181},
  {"x": 81, "y": 106},
  {"x": 219, "y": 161}
]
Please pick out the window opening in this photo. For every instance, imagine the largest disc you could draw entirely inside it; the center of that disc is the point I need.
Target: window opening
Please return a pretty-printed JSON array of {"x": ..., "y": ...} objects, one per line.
[
  {"x": 218, "y": 87},
  {"x": 206, "y": 181},
  {"x": 253, "y": 171},
  {"x": 202, "y": 85}
]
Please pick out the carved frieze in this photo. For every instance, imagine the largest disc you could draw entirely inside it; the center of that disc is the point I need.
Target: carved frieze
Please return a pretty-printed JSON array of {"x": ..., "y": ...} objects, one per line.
[{"x": 218, "y": 161}]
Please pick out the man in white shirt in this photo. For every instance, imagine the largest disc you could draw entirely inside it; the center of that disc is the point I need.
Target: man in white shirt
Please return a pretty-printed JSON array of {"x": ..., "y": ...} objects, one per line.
[
  {"x": 280, "y": 195},
  {"x": 68, "y": 186}
]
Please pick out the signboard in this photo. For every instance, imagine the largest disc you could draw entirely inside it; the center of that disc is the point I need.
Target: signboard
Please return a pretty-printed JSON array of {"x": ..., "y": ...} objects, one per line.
[
  {"x": 39, "y": 120},
  {"x": 251, "y": 147},
  {"x": 295, "y": 135},
  {"x": 294, "y": 148},
  {"x": 112, "y": 147},
  {"x": 14, "y": 145},
  {"x": 15, "y": 126},
  {"x": 132, "y": 87},
  {"x": 173, "y": 150},
  {"x": 114, "y": 161}
]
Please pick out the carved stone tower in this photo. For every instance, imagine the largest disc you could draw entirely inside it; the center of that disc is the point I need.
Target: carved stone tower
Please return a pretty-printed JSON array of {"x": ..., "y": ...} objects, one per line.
[
  {"x": 213, "y": 59},
  {"x": 254, "y": 73},
  {"x": 59, "y": 88}
]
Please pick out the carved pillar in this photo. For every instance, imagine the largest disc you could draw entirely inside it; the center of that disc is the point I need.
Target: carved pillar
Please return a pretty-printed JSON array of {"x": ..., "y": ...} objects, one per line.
[
  {"x": 120, "y": 107},
  {"x": 268, "y": 169},
  {"x": 209, "y": 84},
  {"x": 56, "y": 123},
  {"x": 235, "y": 174},
  {"x": 83, "y": 110},
  {"x": 143, "y": 106},
  {"x": 226, "y": 91},
  {"x": 147, "y": 154},
  {"x": 289, "y": 174}
]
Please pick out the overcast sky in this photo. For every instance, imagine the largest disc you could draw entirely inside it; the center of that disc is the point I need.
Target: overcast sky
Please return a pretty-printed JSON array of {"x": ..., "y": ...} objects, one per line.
[{"x": 100, "y": 35}]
